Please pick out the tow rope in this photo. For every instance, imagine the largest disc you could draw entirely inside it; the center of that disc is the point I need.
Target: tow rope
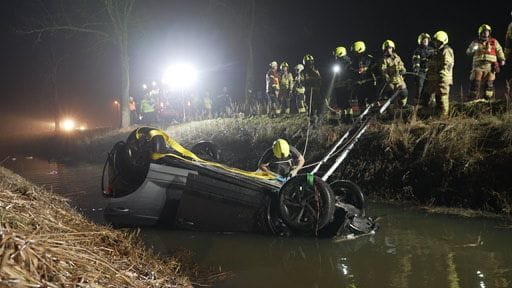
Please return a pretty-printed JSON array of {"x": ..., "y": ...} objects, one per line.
[{"x": 193, "y": 158}]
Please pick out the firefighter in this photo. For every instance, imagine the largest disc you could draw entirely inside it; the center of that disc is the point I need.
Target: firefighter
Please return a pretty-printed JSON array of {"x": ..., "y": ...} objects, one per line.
[
  {"x": 299, "y": 96},
  {"x": 488, "y": 56},
  {"x": 364, "y": 77},
  {"x": 281, "y": 159},
  {"x": 148, "y": 107},
  {"x": 342, "y": 70},
  {"x": 285, "y": 87},
  {"x": 132, "y": 106},
  {"x": 439, "y": 75},
  {"x": 508, "y": 57},
  {"x": 392, "y": 69},
  {"x": 224, "y": 103},
  {"x": 508, "y": 41},
  {"x": 272, "y": 88},
  {"x": 208, "y": 105},
  {"x": 312, "y": 84},
  {"x": 420, "y": 59}
]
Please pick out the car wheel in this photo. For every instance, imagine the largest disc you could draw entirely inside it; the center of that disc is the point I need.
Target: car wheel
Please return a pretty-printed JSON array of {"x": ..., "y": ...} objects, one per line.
[
  {"x": 139, "y": 148},
  {"x": 348, "y": 192},
  {"x": 206, "y": 150},
  {"x": 306, "y": 203}
]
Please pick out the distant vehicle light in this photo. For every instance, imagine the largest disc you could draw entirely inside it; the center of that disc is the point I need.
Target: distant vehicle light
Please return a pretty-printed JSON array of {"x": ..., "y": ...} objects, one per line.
[
  {"x": 336, "y": 68},
  {"x": 68, "y": 125},
  {"x": 82, "y": 128}
]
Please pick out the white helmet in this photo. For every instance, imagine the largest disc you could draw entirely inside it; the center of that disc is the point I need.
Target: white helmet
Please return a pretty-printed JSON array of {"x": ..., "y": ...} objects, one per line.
[
  {"x": 273, "y": 64},
  {"x": 299, "y": 68}
]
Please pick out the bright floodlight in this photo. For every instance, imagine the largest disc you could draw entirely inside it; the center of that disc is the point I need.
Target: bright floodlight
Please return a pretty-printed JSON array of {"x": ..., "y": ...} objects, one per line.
[
  {"x": 68, "y": 125},
  {"x": 336, "y": 68},
  {"x": 180, "y": 76}
]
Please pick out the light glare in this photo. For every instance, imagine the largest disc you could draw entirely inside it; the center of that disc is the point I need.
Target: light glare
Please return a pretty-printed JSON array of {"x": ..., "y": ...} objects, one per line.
[
  {"x": 180, "y": 76},
  {"x": 68, "y": 125}
]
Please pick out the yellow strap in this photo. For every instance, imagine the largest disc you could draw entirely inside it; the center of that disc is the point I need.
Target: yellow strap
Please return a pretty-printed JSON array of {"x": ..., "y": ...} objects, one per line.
[{"x": 188, "y": 154}]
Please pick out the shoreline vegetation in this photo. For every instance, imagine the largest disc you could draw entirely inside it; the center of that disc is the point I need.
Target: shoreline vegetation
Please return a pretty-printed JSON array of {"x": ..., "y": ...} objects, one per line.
[
  {"x": 46, "y": 243},
  {"x": 461, "y": 162}
]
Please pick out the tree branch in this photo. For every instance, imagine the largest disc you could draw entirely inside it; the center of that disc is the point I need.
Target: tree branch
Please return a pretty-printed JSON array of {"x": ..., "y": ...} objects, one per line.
[{"x": 66, "y": 28}]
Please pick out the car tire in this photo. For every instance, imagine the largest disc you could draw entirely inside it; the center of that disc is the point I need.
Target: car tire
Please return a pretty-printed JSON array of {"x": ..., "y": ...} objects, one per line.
[
  {"x": 350, "y": 193},
  {"x": 306, "y": 203}
]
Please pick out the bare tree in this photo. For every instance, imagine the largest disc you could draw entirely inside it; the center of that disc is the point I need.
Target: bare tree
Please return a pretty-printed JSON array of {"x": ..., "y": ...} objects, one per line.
[{"x": 109, "y": 20}]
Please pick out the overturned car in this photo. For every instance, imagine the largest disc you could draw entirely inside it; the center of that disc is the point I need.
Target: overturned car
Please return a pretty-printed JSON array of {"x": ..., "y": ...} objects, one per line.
[{"x": 152, "y": 180}]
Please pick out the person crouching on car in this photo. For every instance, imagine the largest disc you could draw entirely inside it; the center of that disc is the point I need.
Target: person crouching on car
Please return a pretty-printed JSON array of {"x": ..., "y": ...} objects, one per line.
[{"x": 281, "y": 159}]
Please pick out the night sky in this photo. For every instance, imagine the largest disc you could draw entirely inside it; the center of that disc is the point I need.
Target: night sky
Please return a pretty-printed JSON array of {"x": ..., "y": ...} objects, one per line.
[{"x": 208, "y": 36}]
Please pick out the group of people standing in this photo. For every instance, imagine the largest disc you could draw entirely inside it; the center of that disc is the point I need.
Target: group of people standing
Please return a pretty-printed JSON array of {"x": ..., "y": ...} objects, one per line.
[
  {"x": 156, "y": 106},
  {"x": 361, "y": 79}
]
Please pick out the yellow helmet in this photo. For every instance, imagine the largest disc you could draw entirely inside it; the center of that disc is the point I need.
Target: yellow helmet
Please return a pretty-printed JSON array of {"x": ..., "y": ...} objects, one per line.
[
  {"x": 284, "y": 64},
  {"x": 281, "y": 148},
  {"x": 307, "y": 58},
  {"x": 359, "y": 47},
  {"x": 441, "y": 36},
  {"x": 387, "y": 44},
  {"x": 423, "y": 36},
  {"x": 484, "y": 27},
  {"x": 273, "y": 64},
  {"x": 340, "y": 51}
]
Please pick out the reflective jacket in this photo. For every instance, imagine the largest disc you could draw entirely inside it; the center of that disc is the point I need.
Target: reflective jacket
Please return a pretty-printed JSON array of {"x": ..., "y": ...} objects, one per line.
[
  {"x": 131, "y": 105},
  {"x": 485, "y": 50},
  {"x": 148, "y": 104},
  {"x": 420, "y": 58},
  {"x": 440, "y": 66},
  {"x": 392, "y": 69},
  {"x": 285, "y": 81},
  {"x": 298, "y": 85},
  {"x": 272, "y": 80}
]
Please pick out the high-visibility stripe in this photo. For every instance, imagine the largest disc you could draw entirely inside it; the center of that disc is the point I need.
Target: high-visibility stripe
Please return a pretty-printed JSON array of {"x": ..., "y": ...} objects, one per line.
[{"x": 485, "y": 57}]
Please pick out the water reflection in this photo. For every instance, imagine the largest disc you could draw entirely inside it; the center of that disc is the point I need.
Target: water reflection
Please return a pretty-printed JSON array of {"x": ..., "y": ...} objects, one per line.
[{"x": 411, "y": 249}]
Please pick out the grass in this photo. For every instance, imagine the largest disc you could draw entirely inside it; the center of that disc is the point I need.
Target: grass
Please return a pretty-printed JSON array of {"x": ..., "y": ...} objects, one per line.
[{"x": 45, "y": 243}]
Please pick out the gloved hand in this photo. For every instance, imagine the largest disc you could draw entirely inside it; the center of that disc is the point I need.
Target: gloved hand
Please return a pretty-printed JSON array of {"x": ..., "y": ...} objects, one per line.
[{"x": 281, "y": 179}]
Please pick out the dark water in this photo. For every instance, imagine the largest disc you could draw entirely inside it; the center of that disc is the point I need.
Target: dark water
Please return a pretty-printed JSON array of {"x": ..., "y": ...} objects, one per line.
[{"x": 412, "y": 248}]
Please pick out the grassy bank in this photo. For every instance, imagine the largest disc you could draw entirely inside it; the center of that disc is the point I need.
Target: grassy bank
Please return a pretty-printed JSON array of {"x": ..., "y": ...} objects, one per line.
[
  {"x": 461, "y": 162},
  {"x": 45, "y": 243}
]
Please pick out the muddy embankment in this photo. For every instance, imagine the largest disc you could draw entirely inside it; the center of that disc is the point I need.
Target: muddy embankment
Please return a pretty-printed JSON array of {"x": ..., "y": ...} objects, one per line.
[{"x": 461, "y": 162}]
